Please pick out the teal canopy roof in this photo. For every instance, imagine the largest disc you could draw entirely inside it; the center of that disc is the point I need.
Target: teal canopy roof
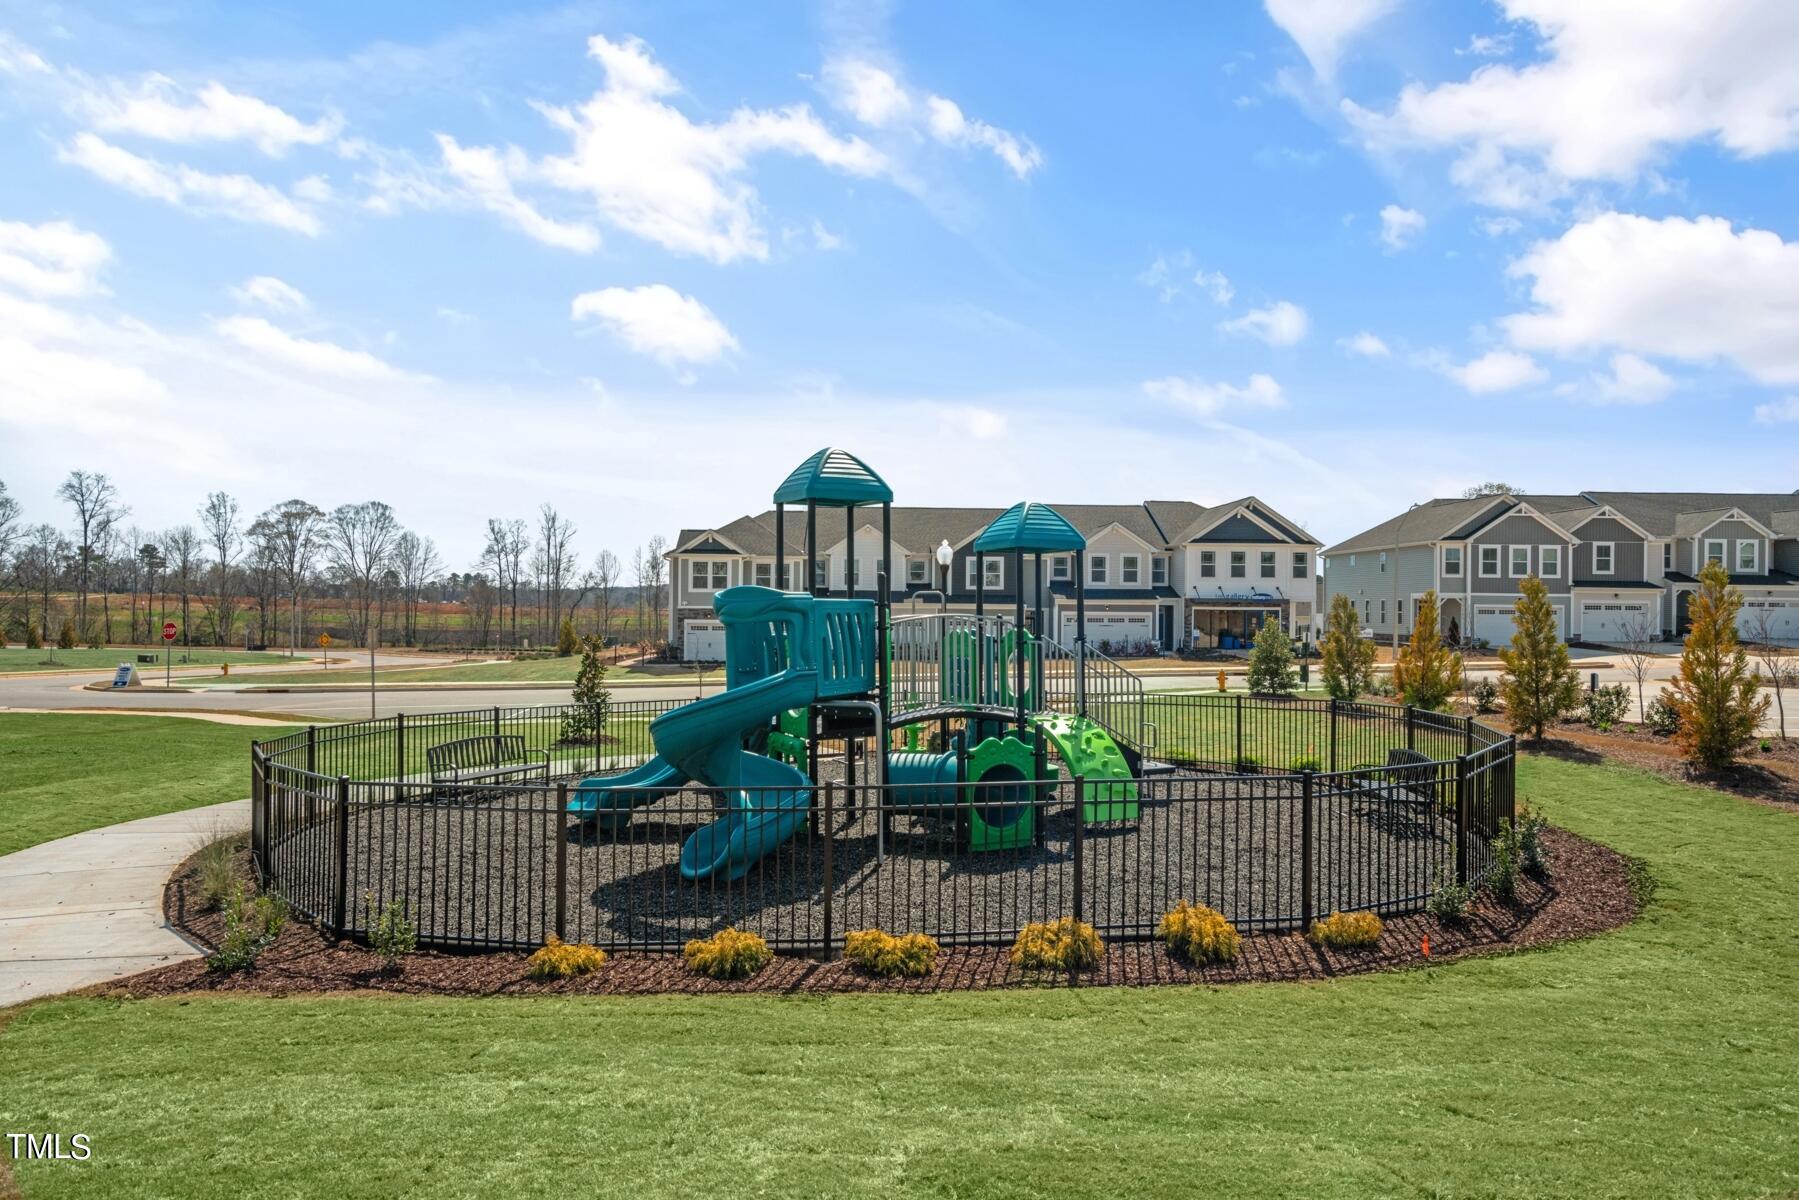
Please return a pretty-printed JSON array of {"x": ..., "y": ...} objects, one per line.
[
  {"x": 834, "y": 478},
  {"x": 1031, "y": 528}
]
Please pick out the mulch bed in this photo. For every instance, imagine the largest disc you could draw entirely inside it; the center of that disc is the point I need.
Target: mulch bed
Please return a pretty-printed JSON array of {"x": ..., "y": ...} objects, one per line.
[{"x": 1591, "y": 891}]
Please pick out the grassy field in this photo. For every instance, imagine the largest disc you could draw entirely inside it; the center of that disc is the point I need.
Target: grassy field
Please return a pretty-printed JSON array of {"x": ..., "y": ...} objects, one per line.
[
  {"x": 1660, "y": 1060},
  {"x": 61, "y": 774},
  {"x": 17, "y": 658},
  {"x": 535, "y": 670}
]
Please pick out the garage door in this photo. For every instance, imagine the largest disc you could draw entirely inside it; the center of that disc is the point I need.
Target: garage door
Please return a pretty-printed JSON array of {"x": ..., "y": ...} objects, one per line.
[
  {"x": 1114, "y": 630},
  {"x": 1782, "y": 619},
  {"x": 1493, "y": 623},
  {"x": 704, "y": 641},
  {"x": 1616, "y": 622}
]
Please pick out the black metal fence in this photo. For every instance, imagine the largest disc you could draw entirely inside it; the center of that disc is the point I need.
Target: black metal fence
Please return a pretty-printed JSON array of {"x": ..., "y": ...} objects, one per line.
[{"x": 1279, "y": 811}]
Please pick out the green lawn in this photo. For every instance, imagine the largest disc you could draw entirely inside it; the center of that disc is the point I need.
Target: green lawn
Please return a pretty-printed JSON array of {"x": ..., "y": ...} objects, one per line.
[
  {"x": 544, "y": 670},
  {"x": 61, "y": 774},
  {"x": 17, "y": 658},
  {"x": 1660, "y": 1060}
]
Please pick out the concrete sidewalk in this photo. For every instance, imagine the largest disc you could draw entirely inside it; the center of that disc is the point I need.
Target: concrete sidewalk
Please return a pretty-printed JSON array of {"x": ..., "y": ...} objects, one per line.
[{"x": 88, "y": 908}]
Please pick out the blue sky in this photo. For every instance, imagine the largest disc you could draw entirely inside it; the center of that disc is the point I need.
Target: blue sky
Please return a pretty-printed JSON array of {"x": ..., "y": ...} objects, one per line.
[{"x": 639, "y": 260}]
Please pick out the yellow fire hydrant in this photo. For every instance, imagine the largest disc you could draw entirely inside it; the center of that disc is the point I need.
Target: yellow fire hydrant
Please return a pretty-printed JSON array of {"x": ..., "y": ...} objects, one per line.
[{"x": 224, "y": 668}]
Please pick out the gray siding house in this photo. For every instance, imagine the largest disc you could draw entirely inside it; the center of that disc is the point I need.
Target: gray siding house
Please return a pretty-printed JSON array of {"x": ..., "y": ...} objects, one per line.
[
  {"x": 1614, "y": 563},
  {"x": 1161, "y": 575}
]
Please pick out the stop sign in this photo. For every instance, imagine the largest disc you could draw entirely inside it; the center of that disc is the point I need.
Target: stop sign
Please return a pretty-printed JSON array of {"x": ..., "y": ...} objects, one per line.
[{"x": 168, "y": 631}]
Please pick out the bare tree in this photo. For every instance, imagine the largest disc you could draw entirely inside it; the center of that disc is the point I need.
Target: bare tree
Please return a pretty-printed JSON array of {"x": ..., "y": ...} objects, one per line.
[
  {"x": 416, "y": 564},
  {"x": 186, "y": 555},
  {"x": 263, "y": 571},
  {"x": 150, "y": 555},
  {"x": 97, "y": 507},
  {"x": 480, "y": 602},
  {"x": 1637, "y": 641},
  {"x": 1494, "y": 488},
  {"x": 218, "y": 518},
  {"x": 9, "y": 523},
  {"x": 553, "y": 562},
  {"x": 1779, "y": 668},
  {"x": 43, "y": 566},
  {"x": 605, "y": 573},
  {"x": 654, "y": 581},
  {"x": 505, "y": 554},
  {"x": 292, "y": 529},
  {"x": 359, "y": 543}
]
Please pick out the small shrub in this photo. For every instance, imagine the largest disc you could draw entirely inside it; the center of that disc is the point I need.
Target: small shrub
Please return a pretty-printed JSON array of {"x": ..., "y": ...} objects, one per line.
[
  {"x": 1307, "y": 762},
  {"x": 1767, "y": 747},
  {"x": 883, "y": 954},
  {"x": 1249, "y": 764},
  {"x": 1661, "y": 717},
  {"x": 1502, "y": 872},
  {"x": 1485, "y": 695},
  {"x": 1199, "y": 934},
  {"x": 1062, "y": 945},
  {"x": 1606, "y": 706},
  {"x": 728, "y": 954},
  {"x": 390, "y": 933},
  {"x": 1347, "y": 931},
  {"x": 251, "y": 926},
  {"x": 217, "y": 873},
  {"x": 558, "y": 959},
  {"x": 1451, "y": 903},
  {"x": 65, "y": 637},
  {"x": 1381, "y": 685},
  {"x": 1533, "y": 854},
  {"x": 35, "y": 640}
]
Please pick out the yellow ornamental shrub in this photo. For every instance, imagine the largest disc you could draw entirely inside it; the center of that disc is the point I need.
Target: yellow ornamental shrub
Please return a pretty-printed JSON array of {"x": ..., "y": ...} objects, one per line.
[
  {"x": 1064, "y": 945},
  {"x": 1199, "y": 934},
  {"x": 561, "y": 960},
  {"x": 886, "y": 955},
  {"x": 728, "y": 954},
  {"x": 1347, "y": 931}
]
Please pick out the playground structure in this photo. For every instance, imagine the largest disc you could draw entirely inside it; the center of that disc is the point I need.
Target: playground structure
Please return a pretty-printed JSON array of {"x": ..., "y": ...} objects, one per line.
[{"x": 943, "y": 706}]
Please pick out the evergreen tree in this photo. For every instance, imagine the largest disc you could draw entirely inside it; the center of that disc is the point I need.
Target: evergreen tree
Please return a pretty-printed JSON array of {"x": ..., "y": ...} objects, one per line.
[
  {"x": 33, "y": 639},
  {"x": 566, "y": 641},
  {"x": 1714, "y": 693},
  {"x": 592, "y": 700},
  {"x": 1271, "y": 661},
  {"x": 1539, "y": 683},
  {"x": 65, "y": 637},
  {"x": 1348, "y": 656},
  {"x": 1427, "y": 672}
]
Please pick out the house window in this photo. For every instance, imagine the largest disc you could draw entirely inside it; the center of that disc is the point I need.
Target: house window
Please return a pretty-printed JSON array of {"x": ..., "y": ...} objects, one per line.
[
  {"x": 915, "y": 570},
  {"x": 1239, "y": 564},
  {"x": 1301, "y": 565},
  {"x": 1667, "y": 556},
  {"x": 1208, "y": 564},
  {"x": 1549, "y": 562},
  {"x": 1748, "y": 556},
  {"x": 1367, "y": 612},
  {"x": 1489, "y": 561},
  {"x": 1158, "y": 570},
  {"x": 1096, "y": 569},
  {"x": 1130, "y": 568},
  {"x": 821, "y": 574},
  {"x": 1602, "y": 558},
  {"x": 1399, "y": 613},
  {"x": 1520, "y": 561},
  {"x": 765, "y": 574},
  {"x": 1383, "y": 560},
  {"x": 1452, "y": 561},
  {"x": 1058, "y": 567},
  {"x": 1267, "y": 564},
  {"x": 996, "y": 573},
  {"x": 1352, "y": 560},
  {"x": 709, "y": 576},
  {"x": 1714, "y": 551},
  {"x": 1383, "y": 610},
  {"x": 788, "y": 570}
]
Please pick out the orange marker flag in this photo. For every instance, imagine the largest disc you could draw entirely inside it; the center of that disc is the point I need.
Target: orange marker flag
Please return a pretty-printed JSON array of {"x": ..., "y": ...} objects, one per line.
[{"x": 1424, "y": 945}]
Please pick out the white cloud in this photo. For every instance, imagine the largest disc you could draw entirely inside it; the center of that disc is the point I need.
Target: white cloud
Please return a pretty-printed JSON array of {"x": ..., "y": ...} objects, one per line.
[
  {"x": 824, "y": 239},
  {"x": 1620, "y": 83},
  {"x": 304, "y": 354},
  {"x": 1167, "y": 277},
  {"x": 1208, "y": 399},
  {"x": 1282, "y": 323},
  {"x": 1778, "y": 412},
  {"x": 1398, "y": 226},
  {"x": 1498, "y": 371},
  {"x": 1498, "y": 226},
  {"x": 658, "y": 321},
  {"x": 1365, "y": 344},
  {"x": 1632, "y": 380},
  {"x": 238, "y": 197},
  {"x": 51, "y": 259},
  {"x": 1488, "y": 45},
  {"x": 1216, "y": 285},
  {"x": 160, "y": 108},
  {"x": 1694, "y": 290},
  {"x": 486, "y": 175},
  {"x": 266, "y": 291},
  {"x": 1323, "y": 28},
  {"x": 875, "y": 96}
]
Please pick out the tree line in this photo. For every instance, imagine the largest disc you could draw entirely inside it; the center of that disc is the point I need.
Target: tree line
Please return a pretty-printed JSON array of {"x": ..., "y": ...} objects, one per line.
[{"x": 297, "y": 569}]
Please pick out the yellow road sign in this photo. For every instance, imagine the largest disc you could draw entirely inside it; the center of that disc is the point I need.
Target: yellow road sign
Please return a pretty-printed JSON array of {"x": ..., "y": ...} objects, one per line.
[{"x": 324, "y": 639}]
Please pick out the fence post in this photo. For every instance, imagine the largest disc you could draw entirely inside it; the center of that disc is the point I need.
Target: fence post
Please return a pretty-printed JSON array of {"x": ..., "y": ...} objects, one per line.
[
  {"x": 341, "y": 821},
  {"x": 496, "y": 720},
  {"x": 1511, "y": 778},
  {"x": 599, "y": 734},
  {"x": 562, "y": 861},
  {"x": 400, "y": 746},
  {"x": 1333, "y": 733},
  {"x": 830, "y": 882},
  {"x": 1461, "y": 819},
  {"x": 1308, "y": 906},
  {"x": 1411, "y": 727},
  {"x": 1080, "y": 842},
  {"x": 1236, "y": 761},
  {"x": 312, "y": 749}
]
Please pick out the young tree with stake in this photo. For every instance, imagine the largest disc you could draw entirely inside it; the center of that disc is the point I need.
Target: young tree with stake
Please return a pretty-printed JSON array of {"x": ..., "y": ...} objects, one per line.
[
  {"x": 1715, "y": 692},
  {"x": 1539, "y": 683}
]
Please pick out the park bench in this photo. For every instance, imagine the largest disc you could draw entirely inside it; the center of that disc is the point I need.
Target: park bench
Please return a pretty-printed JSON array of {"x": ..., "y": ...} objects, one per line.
[
  {"x": 1408, "y": 777},
  {"x": 488, "y": 759}
]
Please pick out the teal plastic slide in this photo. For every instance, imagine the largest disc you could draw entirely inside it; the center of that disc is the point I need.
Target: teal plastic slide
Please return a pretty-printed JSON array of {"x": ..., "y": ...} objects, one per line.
[{"x": 782, "y": 651}]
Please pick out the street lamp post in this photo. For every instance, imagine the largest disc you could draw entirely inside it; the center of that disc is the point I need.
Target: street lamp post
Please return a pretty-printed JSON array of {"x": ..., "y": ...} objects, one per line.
[{"x": 945, "y": 556}]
